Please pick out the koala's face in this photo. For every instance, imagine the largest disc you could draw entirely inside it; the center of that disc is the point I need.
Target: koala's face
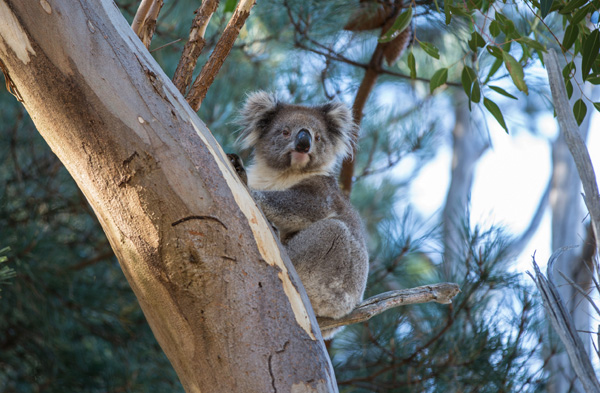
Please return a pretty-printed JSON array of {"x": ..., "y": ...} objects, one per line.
[{"x": 298, "y": 138}]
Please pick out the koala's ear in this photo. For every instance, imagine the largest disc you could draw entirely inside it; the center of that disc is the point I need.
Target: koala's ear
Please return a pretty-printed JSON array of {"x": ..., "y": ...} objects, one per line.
[
  {"x": 257, "y": 112},
  {"x": 341, "y": 126}
]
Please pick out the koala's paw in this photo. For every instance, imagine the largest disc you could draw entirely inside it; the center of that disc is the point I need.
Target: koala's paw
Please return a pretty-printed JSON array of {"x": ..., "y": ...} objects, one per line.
[{"x": 238, "y": 165}]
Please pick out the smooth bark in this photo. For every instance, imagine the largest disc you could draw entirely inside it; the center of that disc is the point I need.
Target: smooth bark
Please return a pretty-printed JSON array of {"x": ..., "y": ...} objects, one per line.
[{"x": 221, "y": 298}]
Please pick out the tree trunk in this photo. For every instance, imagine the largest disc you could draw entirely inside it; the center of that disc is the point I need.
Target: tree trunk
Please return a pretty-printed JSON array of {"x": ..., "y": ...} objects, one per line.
[
  {"x": 568, "y": 230},
  {"x": 468, "y": 145},
  {"x": 221, "y": 298}
]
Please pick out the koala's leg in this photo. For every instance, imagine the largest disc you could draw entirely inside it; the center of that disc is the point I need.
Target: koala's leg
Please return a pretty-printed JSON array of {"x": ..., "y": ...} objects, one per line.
[{"x": 331, "y": 265}]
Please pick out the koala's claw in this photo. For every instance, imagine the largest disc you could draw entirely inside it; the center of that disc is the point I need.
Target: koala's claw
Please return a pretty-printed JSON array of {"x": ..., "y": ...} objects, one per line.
[{"x": 238, "y": 165}]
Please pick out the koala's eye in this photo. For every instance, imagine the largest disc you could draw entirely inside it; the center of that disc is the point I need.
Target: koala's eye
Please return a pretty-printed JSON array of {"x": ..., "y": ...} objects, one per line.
[
  {"x": 285, "y": 132},
  {"x": 317, "y": 137}
]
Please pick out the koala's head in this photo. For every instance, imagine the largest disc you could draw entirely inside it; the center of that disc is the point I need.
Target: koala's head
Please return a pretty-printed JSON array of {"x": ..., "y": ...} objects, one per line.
[{"x": 294, "y": 137}]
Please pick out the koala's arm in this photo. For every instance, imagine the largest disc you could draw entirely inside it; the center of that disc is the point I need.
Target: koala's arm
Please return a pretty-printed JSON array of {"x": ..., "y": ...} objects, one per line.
[{"x": 293, "y": 209}]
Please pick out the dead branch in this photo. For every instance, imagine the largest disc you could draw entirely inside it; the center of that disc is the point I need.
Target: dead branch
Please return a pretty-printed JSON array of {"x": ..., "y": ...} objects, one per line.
[
  {"x": 219, "y": 54},
  {"x": 439, "y": 293},
  {"x": 563, "y": 323},
  {"x": 575, "y": 142},
  {"x": 193, "y": 47},
  {"x": 144, "y": 22}
]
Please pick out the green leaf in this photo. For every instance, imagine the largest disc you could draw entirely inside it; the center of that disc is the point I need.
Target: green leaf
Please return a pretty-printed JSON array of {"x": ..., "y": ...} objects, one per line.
[
  {"x": 569, "y": 88},
  {"x": 471, "y": 85},
  {"x": 230, "y": 5},
  {"x": 582, "y": 13},
  {"x": 571, "y": 6},
  {"x": 594, "y": 80},
  {"x": 591, "y": 47},
  {"x": 569, "y": 70},
  {"x": 476, "y": 41},
  {"x": 476, "y": 93},
  {"x": 533, "y": 44},
  {"x": 495, "y": 111},
  {"x": 412, "y": 66},
  {"x": 495, "y": 51},
  {"x": 493, "y": 69},
  {"x": 500, "y": 90},
  {"x": 495, "y": 29},
  {"x": 439, "y": 78},
  {"x": 579, "y": 110},
  {"x": 545, "y": 6},
  {"x": 459, "y": 10},
  {"x": 571, "y": 33},
  {"x": 597, "y": 106},
  {"x": 400, "y": 24},
  {"x": 430, "y": 49},
  {"x": 447, "y": 13},
  {"x": 516, "y": 72}
]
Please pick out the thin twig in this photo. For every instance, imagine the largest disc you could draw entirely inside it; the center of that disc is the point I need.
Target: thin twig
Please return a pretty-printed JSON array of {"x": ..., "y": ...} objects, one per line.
[
  {"x": 439, "y": 293},
  {"x": 217, "y": 57},
  {"x": 193, "y": 47}
]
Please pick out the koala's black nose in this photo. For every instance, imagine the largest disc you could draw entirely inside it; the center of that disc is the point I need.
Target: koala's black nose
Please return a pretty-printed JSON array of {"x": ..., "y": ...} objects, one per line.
[{"x": 303, "y": 140}]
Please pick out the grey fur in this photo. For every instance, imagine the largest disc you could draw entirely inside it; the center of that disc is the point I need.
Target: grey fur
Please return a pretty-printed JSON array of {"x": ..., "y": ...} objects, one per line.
[{"x": 318, "y": 226}]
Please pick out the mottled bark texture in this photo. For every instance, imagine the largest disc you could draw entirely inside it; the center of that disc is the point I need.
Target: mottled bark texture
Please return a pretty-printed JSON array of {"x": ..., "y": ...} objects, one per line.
[{"x": 222, "y": 300}]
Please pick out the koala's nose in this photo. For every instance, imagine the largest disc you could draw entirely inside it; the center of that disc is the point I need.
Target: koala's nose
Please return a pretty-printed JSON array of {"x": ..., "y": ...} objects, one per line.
[{"x": 303, "y": 140}]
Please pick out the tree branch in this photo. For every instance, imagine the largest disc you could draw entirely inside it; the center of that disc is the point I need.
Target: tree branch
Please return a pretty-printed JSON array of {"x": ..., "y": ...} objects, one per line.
[
  {"x": 574, "y": 141},
  {"x": 219, "y": 54},
  {"x": 563, "y": 323},
  {"x": 193, "y": 47},
  {"x": 144, "y": 22},
  {"x": 439, "y": 293},
  {"x": 364, "y": 90}
]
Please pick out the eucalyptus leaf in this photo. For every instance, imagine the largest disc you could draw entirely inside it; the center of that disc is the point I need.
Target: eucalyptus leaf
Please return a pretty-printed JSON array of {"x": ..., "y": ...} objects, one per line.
[
  {"x": 516, "y": 72},
  {"x": 439, "y": 78},
  {"x": 579, "y": 110},
  {"x": 591, "y": 46},
  {"x": 476, "y": 41},
  {"x": 545, "y": 6},
  {"x": 412, "y": 65},
  {"x": 430, "y": 49},
  {"x": 230, "y": 6},
  {"x": 571, "y": 34},
  {"x": 495, "y": 111},
  {"x": 400, "y": 24},
  {"x": 500, "y": 90}
]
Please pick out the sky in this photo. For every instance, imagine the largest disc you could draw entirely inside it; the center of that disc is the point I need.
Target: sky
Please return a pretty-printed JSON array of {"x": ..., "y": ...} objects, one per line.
[{"x": 509, "y": 182}]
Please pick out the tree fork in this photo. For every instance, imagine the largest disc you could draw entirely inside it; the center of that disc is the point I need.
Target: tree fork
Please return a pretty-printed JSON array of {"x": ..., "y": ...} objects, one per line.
[{"x": 221, "y": 298}]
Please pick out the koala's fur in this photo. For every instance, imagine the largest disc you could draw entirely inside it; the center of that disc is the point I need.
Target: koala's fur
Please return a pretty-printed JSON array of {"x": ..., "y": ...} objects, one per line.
[{"x": 297, "y": 191}]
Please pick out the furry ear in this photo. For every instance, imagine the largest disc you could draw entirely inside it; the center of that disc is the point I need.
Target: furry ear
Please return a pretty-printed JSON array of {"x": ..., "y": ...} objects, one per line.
[
  {"x": 257, "y": 112},
  {"x": 341, "y": 126}
]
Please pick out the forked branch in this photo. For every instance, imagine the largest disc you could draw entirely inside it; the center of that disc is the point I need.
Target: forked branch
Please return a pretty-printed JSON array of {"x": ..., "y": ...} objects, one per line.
[
  {"x": 440, "y": 293},
  {"x": 193, "y": 47},
  {"x": 219, "y": 54}
]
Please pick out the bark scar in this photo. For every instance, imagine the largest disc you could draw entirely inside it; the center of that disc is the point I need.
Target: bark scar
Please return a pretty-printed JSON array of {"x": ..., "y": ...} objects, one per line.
[
  {"x": 271, "y": 365},
  {"x": 188, "y": 218}
]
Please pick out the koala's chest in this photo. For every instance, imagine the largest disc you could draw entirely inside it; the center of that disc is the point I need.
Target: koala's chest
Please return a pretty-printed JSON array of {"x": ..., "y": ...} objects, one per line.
[{"x": 263, "y": 179}]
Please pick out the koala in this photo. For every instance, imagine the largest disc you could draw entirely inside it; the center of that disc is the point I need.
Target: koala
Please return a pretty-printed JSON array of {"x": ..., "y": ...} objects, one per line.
[{"x": 295, "y": 152}]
